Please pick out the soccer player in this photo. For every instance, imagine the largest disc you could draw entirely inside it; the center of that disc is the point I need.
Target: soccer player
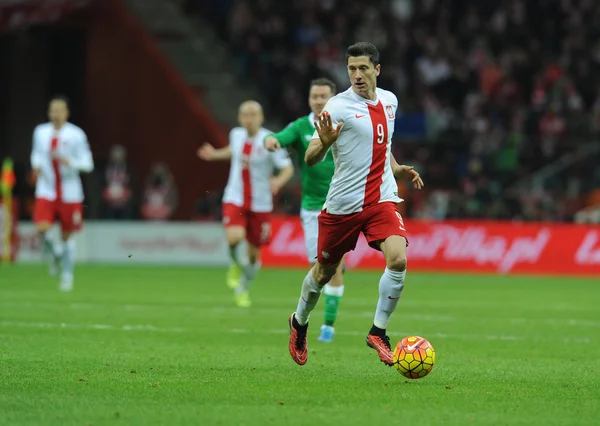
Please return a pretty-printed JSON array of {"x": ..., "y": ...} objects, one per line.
[
  {"x": 357, "y": 125},
  {"x": 248, "y": 197},
  {"x": 315, "y": 184},
  {"x": 60, "y": 153}
]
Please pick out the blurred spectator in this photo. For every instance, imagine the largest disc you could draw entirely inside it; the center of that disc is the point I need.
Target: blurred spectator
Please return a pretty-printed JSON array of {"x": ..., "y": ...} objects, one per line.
[
  {"x": 118, "y": 191},
  {"x": 591, "y": 212},
  {"x": 160, "y": 195},
  {"x": 491, "y": 91}
]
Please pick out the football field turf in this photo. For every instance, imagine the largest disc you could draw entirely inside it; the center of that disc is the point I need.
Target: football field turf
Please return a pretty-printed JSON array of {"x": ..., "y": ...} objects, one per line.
[{"x": 166, "y": 346}]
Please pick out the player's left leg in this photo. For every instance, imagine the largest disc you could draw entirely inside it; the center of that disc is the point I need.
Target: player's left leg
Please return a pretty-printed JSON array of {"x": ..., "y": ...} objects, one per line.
[
  {"x": 44, "y": 215},
  {"x": 235, "y": 223},
  {"x": 258, "y": 234},
  {"x": 71, "y": 221},
  {"x": 385, "y": 231}
]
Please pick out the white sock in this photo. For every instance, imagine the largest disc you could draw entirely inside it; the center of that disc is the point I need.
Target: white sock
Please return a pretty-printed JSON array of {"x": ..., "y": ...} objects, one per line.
[
  {"x": 59, "y": 247},
  {"x": 68, "y": 257},
  {"x": 311, "y": 291},
  {"x": 249, "y": 272},
  {"x": 334, "y": 291},
  {"x": 48, "y": 243},
  {"x": 390, "y": 290}
]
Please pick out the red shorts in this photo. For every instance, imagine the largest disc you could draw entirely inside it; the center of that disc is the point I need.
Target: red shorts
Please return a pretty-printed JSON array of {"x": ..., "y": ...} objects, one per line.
[
  {"x": 70, "y": 215},
  {"x": 257, "y": 225},
  {"x": 338, "y": 234}
]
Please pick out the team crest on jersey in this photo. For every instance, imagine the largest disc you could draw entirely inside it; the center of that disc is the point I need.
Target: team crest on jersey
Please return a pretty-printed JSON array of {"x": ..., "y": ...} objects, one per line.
[{"x": 390, "y": 111}]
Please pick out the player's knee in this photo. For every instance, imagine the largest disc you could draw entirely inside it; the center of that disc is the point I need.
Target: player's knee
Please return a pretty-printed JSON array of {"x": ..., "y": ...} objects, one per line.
[
  {"x": 235, "y": 235},
  {"x": 323, "y": 274},
  {"x": 397, "y": 262},
  {"x": 43, "y": 227}
]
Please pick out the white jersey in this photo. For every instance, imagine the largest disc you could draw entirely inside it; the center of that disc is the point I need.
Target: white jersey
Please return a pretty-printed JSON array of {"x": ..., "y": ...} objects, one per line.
[
  {"x": 56, "y": 181},
  {"x": 252, "y": 166},
  {"x": 363, "y": 173}
]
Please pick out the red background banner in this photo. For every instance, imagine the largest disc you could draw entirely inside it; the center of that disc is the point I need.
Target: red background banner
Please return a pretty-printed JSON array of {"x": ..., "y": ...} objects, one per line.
[{"x": 464, "y": 246}]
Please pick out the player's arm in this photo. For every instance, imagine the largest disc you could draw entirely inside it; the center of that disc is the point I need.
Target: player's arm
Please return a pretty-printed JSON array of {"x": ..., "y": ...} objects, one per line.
[
  {"x": 207, "y": 152},
  {"x": 37, "y": 156},
  {"x": 406, "y": 172},
  {"x": 315, "y": 153},
  {"x": 81, "y": 159},
  {"x": 282, "y": 161},
  {"x": 326, "y": 133},
  {"x": 285, "y": 138}
]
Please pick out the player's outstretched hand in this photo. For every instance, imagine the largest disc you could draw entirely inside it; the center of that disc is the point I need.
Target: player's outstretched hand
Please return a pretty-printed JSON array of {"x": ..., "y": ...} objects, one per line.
[
  {"x": 206, "y": 152},
  {"x": 409, "y": 173},
  {"x": 272, "y": 144},
  {"x": 327, "y": 133}
]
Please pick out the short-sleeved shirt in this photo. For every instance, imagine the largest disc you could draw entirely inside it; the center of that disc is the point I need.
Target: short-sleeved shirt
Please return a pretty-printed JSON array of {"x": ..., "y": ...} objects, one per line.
[
  {"x": 363, "y": 173},
  {"x": 251, "y": 169}
]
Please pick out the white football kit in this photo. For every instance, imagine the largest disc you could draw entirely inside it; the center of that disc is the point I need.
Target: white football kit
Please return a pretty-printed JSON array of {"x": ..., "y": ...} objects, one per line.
[
  {"x": 363, "y": 173},
  {"x": 249, "y": 184},
  {"x": 57, "y": 180}
]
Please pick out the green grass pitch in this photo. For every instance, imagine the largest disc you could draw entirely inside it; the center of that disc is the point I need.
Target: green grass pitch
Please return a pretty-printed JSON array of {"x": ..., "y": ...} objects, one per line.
[{"x": 166, "y": 346}]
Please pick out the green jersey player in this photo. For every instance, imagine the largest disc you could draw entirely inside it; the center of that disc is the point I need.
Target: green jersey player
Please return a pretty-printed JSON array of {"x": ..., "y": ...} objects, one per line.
[{"x": 315, "y": 184}]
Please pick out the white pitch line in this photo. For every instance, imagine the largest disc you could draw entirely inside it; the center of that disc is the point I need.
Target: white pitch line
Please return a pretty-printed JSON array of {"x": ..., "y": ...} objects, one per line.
[
  {"x": 349, "y": 313},
  {"x": 132, "y": 328},
  {"x": 91, "y": 326},
  {"x": 431, "y": 335}
]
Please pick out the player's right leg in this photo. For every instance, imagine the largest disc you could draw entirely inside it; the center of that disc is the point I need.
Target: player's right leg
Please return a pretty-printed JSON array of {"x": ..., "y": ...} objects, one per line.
[
  {"x": 44, "y": 214},
  {"x": 334, "y": 289},
  {"x": 241, "y": 294},
  {"x": 234, "y": 221},
  {"x": 312, "y": 286},
  {"x": 337, "y": 235}
]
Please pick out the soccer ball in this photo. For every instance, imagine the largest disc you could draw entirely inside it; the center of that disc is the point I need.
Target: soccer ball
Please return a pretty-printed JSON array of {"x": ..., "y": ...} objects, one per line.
[{"x": 414, "y": 357}]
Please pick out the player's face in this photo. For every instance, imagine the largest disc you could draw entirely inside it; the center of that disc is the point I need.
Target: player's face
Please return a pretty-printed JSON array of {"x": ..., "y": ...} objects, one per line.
[
  {"x": 363, "y": 74},
  {"x": 58, "y": 113},
  {"x": 251, "y": 117},
  {"x": 318, "y": 97}
]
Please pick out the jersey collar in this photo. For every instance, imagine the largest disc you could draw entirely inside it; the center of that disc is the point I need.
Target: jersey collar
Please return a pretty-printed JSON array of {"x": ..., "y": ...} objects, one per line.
[{"x": 311, "y": 119}]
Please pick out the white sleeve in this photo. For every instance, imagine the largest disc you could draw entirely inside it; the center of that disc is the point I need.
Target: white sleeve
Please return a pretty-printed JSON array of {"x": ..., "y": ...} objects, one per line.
[
  {"x": 281, "y": 158},
  {"x": 37, "y": 158},
  {"x": 82, "y": 159},
  {"x": 236, "y": 134}
]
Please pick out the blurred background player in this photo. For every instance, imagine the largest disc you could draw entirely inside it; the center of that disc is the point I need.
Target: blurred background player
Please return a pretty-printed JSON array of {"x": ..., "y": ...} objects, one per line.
[
  {"x": 315, "y": 184},
  {"x": 248, "y": 197},
  {"x": 60, "y": 153},
  {"x": 362, "y": 196}
]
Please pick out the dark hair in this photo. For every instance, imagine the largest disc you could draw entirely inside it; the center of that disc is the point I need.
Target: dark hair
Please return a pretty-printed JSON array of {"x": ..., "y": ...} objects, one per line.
[
  {"x": 324, "y": 82},
  {"x": 363, "y": 48},
  {"x": 62, "y": 98}
]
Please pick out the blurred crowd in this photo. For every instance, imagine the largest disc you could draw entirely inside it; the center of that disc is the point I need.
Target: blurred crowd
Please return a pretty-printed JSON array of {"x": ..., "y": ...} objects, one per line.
[{"x": 490, "y": 91}]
